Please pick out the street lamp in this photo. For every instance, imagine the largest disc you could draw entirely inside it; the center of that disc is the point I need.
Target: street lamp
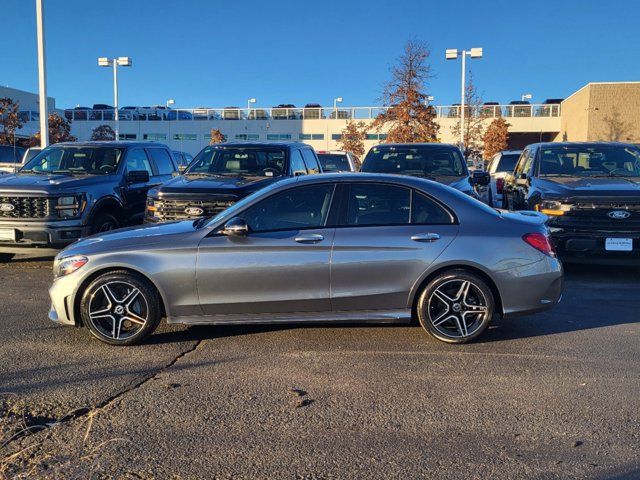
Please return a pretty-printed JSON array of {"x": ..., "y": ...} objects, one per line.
[
  {"x": 42, "y": 77},
  {"x": 171, "y": 101},
  {"x": 526, "y": 96},
  {"x": 335, "y": 105},
  {"x": 249, "y": 102},
  {"x": 108, "y": 62},
  {"x": 452, "y": 54}
]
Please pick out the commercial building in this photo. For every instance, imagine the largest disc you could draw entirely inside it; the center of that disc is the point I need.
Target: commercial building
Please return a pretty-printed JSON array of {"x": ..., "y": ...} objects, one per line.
[{"x": 598, "y": 111}]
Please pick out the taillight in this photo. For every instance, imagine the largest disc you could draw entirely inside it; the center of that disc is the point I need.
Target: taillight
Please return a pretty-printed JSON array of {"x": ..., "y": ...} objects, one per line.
[
  {"x": 499, "y": 185},
  {"x": 540, "y": 242}
]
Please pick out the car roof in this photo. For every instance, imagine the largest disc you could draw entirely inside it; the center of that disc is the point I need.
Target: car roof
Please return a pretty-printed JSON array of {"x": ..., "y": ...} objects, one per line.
[
  {"x": 579, "y": 144},
  {"x": 262, "y": 144},
  {"x": 425, "y": 144},
  {"x": 109, "y": 143}
]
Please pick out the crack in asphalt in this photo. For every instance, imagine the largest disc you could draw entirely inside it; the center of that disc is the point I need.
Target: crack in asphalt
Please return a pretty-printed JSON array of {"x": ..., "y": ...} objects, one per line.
[{"x": 37, "y": 423}]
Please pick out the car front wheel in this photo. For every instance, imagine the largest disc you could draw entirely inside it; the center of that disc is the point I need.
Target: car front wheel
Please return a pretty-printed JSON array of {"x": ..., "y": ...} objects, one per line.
[
  {"x": 456, "y": 306},
  {"x": 120, "y": 308}
]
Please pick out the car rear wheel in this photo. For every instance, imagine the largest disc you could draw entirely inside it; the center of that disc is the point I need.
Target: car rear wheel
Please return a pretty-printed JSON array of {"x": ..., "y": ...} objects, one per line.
[
  {"x": 104, "y": 222},
  {"x": 456, "y": 306},
  {"x": 120, "y": 308},
  {"x": 6, "y": 257}
]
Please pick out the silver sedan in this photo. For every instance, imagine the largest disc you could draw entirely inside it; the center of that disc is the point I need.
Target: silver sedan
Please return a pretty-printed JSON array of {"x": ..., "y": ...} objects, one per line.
[{"x": 323, "y": 248}]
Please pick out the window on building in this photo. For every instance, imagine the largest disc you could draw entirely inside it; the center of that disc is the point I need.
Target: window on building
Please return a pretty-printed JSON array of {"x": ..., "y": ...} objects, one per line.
[
  {"x": 336, "y": 136},
  {"x": 278, "y": 136},
  {"x": 317, "y": 136},
  {"x": 304, "y": 136},
  {"x": 185, "y": 136},
  {"x": 155, "y": 136},
  {"x": 247, "y": 136},
  {"x": 128, "y": 136}
]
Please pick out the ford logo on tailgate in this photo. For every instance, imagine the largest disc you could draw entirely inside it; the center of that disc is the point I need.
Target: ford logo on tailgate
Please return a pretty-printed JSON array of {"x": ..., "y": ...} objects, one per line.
[
  {"x": 7, "y": 207},
  {"x": 194, "y": 211},
  {"x": 618, "y": 214}
]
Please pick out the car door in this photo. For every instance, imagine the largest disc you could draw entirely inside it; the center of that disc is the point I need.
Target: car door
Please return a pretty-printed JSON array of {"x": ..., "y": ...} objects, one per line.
[
  {"x": 387, "y": 237},
  {"x": 135, "y": 193},
  {"x": 280, "y": 266}
]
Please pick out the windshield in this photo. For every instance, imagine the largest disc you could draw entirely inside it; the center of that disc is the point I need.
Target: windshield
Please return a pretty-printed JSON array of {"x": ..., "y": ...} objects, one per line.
[
  {"x": 423, "y": 161},
  {"x": 239, "y": 161},
  {"x": 11, "y": 155},
  {"x": 75, "y": 160},
  {"x": 332, "y": 162},
  {"x": 590, "y": 161},
  {"x": 507, "y": 162}
]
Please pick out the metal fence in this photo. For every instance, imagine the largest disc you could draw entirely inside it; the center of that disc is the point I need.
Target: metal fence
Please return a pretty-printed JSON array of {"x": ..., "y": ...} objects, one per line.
[{"x": 287, "y": 113}]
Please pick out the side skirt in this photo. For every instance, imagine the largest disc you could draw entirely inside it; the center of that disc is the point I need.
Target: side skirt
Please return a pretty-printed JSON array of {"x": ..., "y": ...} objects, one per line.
[{"x": 356, "y": 316}]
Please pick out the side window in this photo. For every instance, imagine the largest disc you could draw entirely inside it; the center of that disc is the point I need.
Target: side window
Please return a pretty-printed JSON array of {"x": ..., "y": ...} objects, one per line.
[
  {"x": 304, "y": 207},
  {"x": 297, "y": 164},
  {"x": 520, "y": 167},
  {"x": 137, "y": 160},
  {"x": 163, "y": 161},
  {"x": 378, "y": 204},
  {"x": 528, "y": 162},
  {"x": 425, "y": 210},
  {"x": 310, "y": 161}
]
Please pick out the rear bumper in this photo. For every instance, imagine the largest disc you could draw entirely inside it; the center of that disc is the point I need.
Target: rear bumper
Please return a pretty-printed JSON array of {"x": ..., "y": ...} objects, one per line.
[
  {"x": 42, "y": 237},
  {"x": 531, "y": 288}
]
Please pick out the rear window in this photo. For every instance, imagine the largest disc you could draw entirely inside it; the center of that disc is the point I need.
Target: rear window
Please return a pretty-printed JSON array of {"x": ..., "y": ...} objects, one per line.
[
  {"x": 420, "y": 161},
  {"x": 334, "y": 162},
  {"x": 507, "y": 162}
]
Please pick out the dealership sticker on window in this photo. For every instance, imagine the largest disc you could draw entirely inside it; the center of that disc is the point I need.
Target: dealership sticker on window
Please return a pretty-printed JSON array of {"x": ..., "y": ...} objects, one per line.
[{"x": 619, "y": 244}]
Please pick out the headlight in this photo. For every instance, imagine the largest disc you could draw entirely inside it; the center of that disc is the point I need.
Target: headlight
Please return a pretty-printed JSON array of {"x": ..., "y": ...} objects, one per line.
[
  {"x": 553, "y": 208},
  {"x": 69, "y": 207},
  {"x": 151, "y": 206},
  {"x": 66, "y": 265}
]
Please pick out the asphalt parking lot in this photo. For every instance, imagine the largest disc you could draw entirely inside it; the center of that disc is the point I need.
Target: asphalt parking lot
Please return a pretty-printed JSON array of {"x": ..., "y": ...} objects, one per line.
[{"x": 554, "y": 395}]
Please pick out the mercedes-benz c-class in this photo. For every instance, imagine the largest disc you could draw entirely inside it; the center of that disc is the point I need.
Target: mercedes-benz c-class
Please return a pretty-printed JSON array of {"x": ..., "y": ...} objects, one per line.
[{"x": 325, "y": 248}]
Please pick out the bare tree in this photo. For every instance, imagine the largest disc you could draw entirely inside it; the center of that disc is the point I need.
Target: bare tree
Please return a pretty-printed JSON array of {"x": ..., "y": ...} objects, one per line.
[
  {"x": 59, "y": 131},
  {"x": 216, "y": 136},
  {"x": 103, "y": 132},
  {"x": 495, "y": 138},
  {"x": 352, "y": 138},
  {"x": 408, "y": 117},
  {"x": 9, "y": 121},
  {"x": 616, "y": 129},
  {"x": 473, "y": 121}
]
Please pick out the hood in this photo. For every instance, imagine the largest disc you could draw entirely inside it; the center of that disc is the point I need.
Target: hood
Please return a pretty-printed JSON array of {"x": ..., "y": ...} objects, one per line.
[
  {"x": 28, "y": 182},
  {"x": 590, "y": 186},
  {"x": 196, "y": 184},
  {"x": 125, "y": 238}
]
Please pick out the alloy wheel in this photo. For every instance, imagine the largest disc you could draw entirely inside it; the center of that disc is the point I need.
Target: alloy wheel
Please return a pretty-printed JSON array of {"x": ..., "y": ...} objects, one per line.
[
  {"x": 457, "y": 308},
  {"x": 118, "y": 310}
]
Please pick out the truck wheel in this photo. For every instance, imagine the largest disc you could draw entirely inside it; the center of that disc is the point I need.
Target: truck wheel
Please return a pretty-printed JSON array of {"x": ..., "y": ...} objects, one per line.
[
  {"x": 103, "y": 222},
  {"x": 6, "y": 257}
]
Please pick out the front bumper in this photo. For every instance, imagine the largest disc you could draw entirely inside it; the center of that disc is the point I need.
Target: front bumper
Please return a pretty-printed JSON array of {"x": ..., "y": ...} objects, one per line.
[
  {"x": 582, "y": 243},
  {"x": 62, "y": 293},
  {"x": 42, "y": 236}
]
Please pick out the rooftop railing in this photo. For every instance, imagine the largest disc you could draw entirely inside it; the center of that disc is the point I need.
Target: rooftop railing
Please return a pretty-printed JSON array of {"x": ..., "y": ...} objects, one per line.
[{"x": 309, "y": 113}]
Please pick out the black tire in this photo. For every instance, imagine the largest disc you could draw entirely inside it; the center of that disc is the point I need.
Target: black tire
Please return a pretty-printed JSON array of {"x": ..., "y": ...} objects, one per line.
[
  {"x": 108, "y": 316},
  {"x": 104, "y": 222},
  {"x": 6, "y": 257},
  {"x": 451, "y": 315}
]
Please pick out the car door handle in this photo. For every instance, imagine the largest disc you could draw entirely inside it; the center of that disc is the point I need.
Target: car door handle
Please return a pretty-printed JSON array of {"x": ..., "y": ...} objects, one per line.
[
  {"x": 309, "y": 238},
  {"x": 425, "y": 237}
]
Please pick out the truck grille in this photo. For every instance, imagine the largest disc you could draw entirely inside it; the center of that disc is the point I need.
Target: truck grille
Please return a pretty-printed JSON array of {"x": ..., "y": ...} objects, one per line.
[
  {"x": 25, "y": 207},
  {"x": 594, "y": 215},
  {"x": 167, "y": 210}
]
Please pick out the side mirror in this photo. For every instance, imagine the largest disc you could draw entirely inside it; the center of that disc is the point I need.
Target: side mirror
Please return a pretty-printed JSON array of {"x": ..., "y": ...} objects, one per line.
[
  {"x": 522, "y": 176},
  {"x": 298, "y": 173},
  {"x": 481, "y": 178},
  {"x": 137, "y": 176},
  {"x": 236, "y": 226}
]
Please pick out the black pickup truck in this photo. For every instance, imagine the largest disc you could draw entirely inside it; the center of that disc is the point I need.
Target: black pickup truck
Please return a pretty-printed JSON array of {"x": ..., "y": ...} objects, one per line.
[
  {"x": 222, "y": 174},
  {"x": 590, "y": 192},
  {"x": 71, "y": 190}
]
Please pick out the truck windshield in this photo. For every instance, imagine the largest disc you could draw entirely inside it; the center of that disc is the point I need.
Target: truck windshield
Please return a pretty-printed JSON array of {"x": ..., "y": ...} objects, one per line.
[
  {"x": 590, "y": 161},
  {"x": 418, "y": 161},
  {"x": 80, "y": 160},
  {"x": 239, "y": 161}
]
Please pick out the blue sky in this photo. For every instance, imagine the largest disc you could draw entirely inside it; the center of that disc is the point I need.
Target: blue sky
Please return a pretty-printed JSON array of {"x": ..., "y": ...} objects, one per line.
[{"x": 220, "y": 52}]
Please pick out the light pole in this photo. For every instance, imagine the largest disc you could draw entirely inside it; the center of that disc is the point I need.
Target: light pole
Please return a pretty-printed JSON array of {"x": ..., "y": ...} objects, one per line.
[
  {"x": 42, "y": 77},
  {"x": 249, "y": 102},
  {"x": 114, "y": 62},
  {"x": 170, "y": 102},
  {"x": 526, "y": 96},
  {"x": 452, "y": 54},
  {"x": 335, "y": 106}
]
